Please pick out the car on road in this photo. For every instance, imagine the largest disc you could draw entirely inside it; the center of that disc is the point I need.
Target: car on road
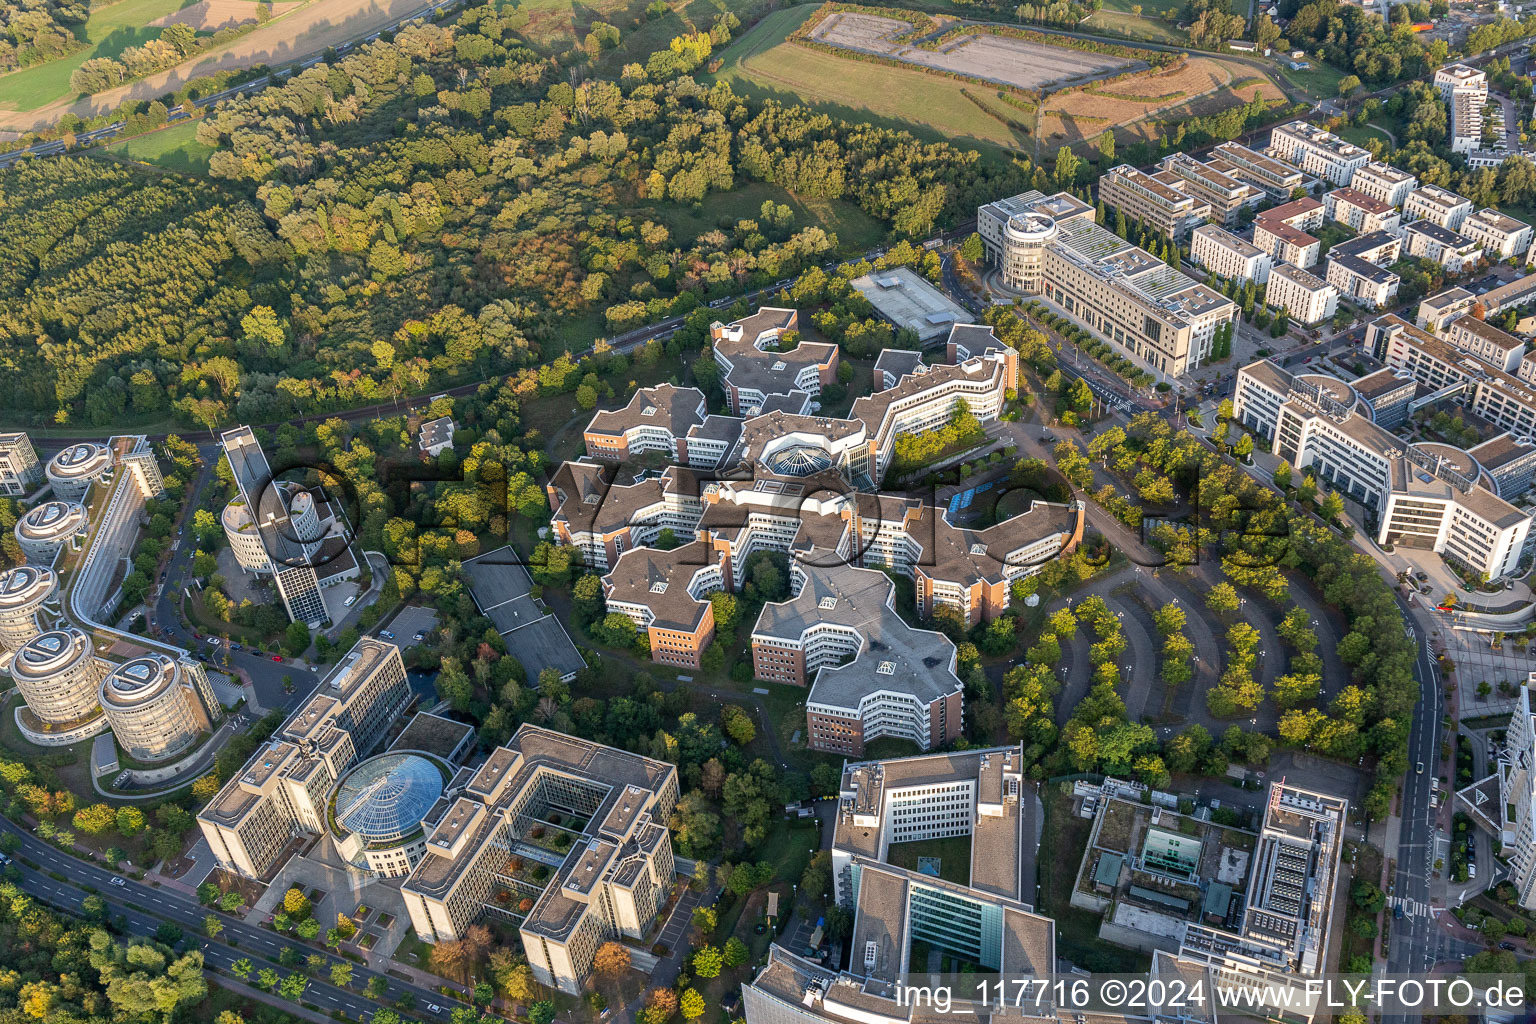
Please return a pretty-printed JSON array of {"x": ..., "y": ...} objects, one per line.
[
  {"x": 419, "y": 637},
  {"x": 214, "y": 641},
  {"x": 1397, "y": 912},
  {"x": 434, "y": 1008},
  {"x": 1419, "y": 767},
  {"x": 277, "y": 657},
  {"x": 201, "y": 656},
  {"x": 1507, "y": 945},
  {"x": 118, "y": 881},
  {"x": 236, "y": 647},
  {"x": 1471, "y": 870},
  {"x": 386, "y": 634}
]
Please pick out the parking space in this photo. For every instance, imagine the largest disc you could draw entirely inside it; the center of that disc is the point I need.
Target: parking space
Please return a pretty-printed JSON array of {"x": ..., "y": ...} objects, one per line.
[{"x": 412, "y": 620}]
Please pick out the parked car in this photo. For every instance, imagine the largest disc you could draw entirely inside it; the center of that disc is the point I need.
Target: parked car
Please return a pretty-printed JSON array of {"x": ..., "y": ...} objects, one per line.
[
  {"x": 349, "y": 602},
  {"x": 236, "y": 647},
  {"x": 1507, "y": 945},
  {"x": 214, "y": 641},
  {"x": 277, "y": 657},
  {"x": 419, "y": 637},
  {"x": 386, "y": 634}
]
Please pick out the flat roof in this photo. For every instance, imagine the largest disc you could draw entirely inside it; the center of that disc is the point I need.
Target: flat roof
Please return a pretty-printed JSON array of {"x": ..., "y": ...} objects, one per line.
[{"x": 907, "y": 300}]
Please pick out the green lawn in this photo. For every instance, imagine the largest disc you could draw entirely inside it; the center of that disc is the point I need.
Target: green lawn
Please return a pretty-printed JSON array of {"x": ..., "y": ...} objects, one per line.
[
  {"x": 1360, "y": 136},
  {"x": 109, "y": 31},
  {"x": 175, "y": 148},
  {"x": 761, "y": 64},
  {"x": 1121, "y": 22},
  {"x": 856, "y": 230},
  {"x": 954, "y": 856},
  {"x": 1319, "y": 81}
]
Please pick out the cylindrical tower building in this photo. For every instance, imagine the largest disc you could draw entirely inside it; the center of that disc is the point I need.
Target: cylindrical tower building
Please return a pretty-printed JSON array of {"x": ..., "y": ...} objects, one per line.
[
  {"x": 45, "y": 529},
  {"x": 58, "y": 674},
  {"x": 152, "y": 713},
  {"x": 1025, "y": 237},
  {"x": 73, "y": 470},
  {"x": 23, "y": 591}
]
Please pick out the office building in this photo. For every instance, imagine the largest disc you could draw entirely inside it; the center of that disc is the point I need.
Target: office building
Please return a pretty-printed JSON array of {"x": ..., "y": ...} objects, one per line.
[
  {"x": 1513, "y": 799},
  {"x": 1510, "y": 461},
  {"x": 607, "y": 882},
  {"x": 20, "y": 471},
  {"x": 1384, "y": 183},
  {"x": 871, "y": 674},
  {"x": 1225, "y": 194},
  {"x": 756, "y": 368},
  {"x": 605, "y": 519},
  {"x": 1364, "y": 213},
  {"x": 1502, "y": 237},
  {"x": 383, "y": 809},
  {"x": 1226, "y": 255},
  {"x": 895, "y": 363},
  {"x": 666, "y": 595},
  {"x": 1428, "y": 240},
  {"x": 1151, "y": 313},
  {"x": 1317, "y": 151},
  {"x": 27, "y": 594},
  {"x": 1438, "y": 206},
  {"x": 283, "y": 792},
  {"x": 1162, "y": 207},
  {"x": 72, "y": 471},
  {"x": 1421, "y": 495},
  {"x": 1389, "y": 394},
  {"x": 49, "y": 528},
  {"x": 1278, "y": 180},
  {"x": 656, "y": 419},
  {"x": 292, "y": 533},
  {"x": 157, "y": 707},
  {"x": 1283, "y": 232},
  {"x": 57, "y": 673},
  {"x": 1306, "y": 298}
]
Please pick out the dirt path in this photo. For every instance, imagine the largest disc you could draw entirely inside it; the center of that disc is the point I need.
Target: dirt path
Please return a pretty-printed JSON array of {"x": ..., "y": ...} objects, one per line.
[{"x": 304, "y": 32}]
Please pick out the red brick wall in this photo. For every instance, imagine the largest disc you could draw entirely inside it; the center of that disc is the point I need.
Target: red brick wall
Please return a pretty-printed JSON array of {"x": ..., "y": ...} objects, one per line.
[{"x": 834, "y": 735}]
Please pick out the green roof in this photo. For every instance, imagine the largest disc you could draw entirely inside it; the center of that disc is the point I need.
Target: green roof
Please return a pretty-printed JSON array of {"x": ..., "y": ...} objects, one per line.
[{"x": 1108, "y": 871}]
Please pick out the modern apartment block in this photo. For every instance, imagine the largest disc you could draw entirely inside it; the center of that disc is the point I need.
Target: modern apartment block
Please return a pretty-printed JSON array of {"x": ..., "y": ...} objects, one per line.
[
  {"x": 608, "y": 882},
  {"x": 1502, "y": 237},
  {"x": 1456, "y": 253},
  {"x": 1465, "y": 90},
  {"x": 283, "y": 791},
  {"x": 755, "y": 369},
  {"x": 1454, "y": 77},
  {"x": 666, "y": 595},
  {"x": 20, "y": 472},
  {"x": 1485, "y": 341},
  {"x": 1317, "y": 151},
  {"x": 1422, "y": 495},
  {"x": 1161, "y": 206},
  {"x": 1435, "y": 311},
  {"x": 1308, "y": 299},
  {"x": 1226, "y": 255},
  {"x": 1384, "y": 183},
  {"x": 1283, "y": 232},
  {"x": 1364, "y": 213},
  {"x": 1438, "y": 206},
  {"x": 1226, "y": 194},
  {"x": 1362, "y": 281},
  {"x": 276, "y": 527},
  {"x": 1275, "y": 178},
  {"x": 871, "y": 674}
]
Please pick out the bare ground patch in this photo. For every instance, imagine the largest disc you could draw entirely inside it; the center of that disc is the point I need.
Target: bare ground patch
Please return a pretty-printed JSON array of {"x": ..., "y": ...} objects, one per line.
[
  {"x": 212, "y": 15},
  {"x": 1200, "y": 86}
]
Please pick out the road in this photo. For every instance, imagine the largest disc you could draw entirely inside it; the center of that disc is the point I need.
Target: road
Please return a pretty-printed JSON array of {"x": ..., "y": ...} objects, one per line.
[{"x": 146, "y": 908}]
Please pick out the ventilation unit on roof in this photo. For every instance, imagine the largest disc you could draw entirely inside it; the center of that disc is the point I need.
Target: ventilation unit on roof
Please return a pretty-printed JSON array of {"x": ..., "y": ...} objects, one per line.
[
  {"x": 978, "y": 549},
  {"x": 870, "y": 953}
]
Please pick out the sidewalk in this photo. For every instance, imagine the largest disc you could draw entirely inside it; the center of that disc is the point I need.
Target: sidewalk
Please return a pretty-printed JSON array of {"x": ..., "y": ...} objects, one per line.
[{"x": 293, "y": 1009}]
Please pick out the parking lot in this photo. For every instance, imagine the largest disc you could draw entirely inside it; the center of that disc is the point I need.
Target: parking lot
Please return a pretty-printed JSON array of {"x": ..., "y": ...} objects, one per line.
[{"x": 413, "y": 619}]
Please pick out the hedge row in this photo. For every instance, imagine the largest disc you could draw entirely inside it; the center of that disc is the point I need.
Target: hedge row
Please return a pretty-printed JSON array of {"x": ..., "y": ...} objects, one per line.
[{"x": 997, "y": 115}]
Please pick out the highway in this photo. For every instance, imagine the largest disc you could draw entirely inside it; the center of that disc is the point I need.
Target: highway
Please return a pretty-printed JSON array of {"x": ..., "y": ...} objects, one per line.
[{"x": 146, "y": 908}]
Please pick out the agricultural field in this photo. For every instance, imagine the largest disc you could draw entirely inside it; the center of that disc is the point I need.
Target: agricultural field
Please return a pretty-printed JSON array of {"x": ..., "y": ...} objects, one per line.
[
  {"x": 1203, "y": 85},
  {"x": 212, "y": 15},
  {"x": 1002, "y": 60},
  {"x": 108, "y": 32},
  {"x": 764, "y": 65},
  {"x": 1136, "y": 21}
]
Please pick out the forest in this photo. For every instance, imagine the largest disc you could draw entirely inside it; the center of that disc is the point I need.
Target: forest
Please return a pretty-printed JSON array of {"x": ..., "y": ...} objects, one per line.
[
  {"x": 35, "y": 31},
  {"x": 437, "y": 208}
]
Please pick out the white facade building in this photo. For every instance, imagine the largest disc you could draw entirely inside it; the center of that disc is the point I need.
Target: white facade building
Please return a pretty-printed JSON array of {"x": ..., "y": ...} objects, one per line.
[
  {"x": 1384, "y": 182},
  {"x": 1438, "y": 206},
  {"x": 1317, "y": 151},
  {"x": 1229, "y": 256},
  {"x": 1306, "y": 298},
  {"x": 1502, "y": 237}
]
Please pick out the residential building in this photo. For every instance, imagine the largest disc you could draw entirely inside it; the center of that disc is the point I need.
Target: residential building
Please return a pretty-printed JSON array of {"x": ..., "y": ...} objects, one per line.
[
  {"x": 655, "y": 419},
  {"x": 1421, "y": 495},
  {"x": 1439, "y": 309},
  {"x": 1486, "y": 342},
  {"x": 1362, "y": 281},
  {"x": 1455, "y": 78},
  {"x": 1456, "y": 253},
  {"x": 871, "y": 674},
  {"x": 20, "y": 472},
  {"x": 1226, "y": 194},
  {"x": 609, "y": 884},
  {"x": 1283, "y": 232},
  {"x": 666, "y": 595},
  {"x": 283, "y": 791},
  {"x": 1275, "y": 178},
  {"x": 1384, "y": 183},
  {"x": 1514, "y": 799},
  {"x": 1306, "y": 298},
  {"x": 26, "y": 592},
  {"x": 1317, "y": 151},
  {"x": 754, "y": 366},
  {"x": 1162, "y": 207},
  {"x": 158, "y": 707},
  {"x": 1364, "y": 213},
  {"x": 1438, "y": 206},
  {"x": 1502, "y": 237},
  {"x": 435, "y": 437},
  {"x": 1510, "y": 295},
  {"x": 1379, "y": 247},
  {"x": 72, "y": 471},
  {"x": 1226, "y": 255}
]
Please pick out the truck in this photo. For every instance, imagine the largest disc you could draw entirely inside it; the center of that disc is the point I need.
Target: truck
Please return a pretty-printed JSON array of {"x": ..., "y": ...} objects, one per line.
[{"x": 812, "y": 946}]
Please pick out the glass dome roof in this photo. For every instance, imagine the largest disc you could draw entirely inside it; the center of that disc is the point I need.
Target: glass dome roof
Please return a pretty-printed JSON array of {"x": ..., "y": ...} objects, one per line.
[
  {"x": 801, "y": 460},
  {"x": 388, "y": 796}
]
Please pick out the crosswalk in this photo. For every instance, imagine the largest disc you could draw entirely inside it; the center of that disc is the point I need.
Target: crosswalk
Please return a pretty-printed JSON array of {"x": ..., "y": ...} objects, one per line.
[{"x": 1413, "y": 908}]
